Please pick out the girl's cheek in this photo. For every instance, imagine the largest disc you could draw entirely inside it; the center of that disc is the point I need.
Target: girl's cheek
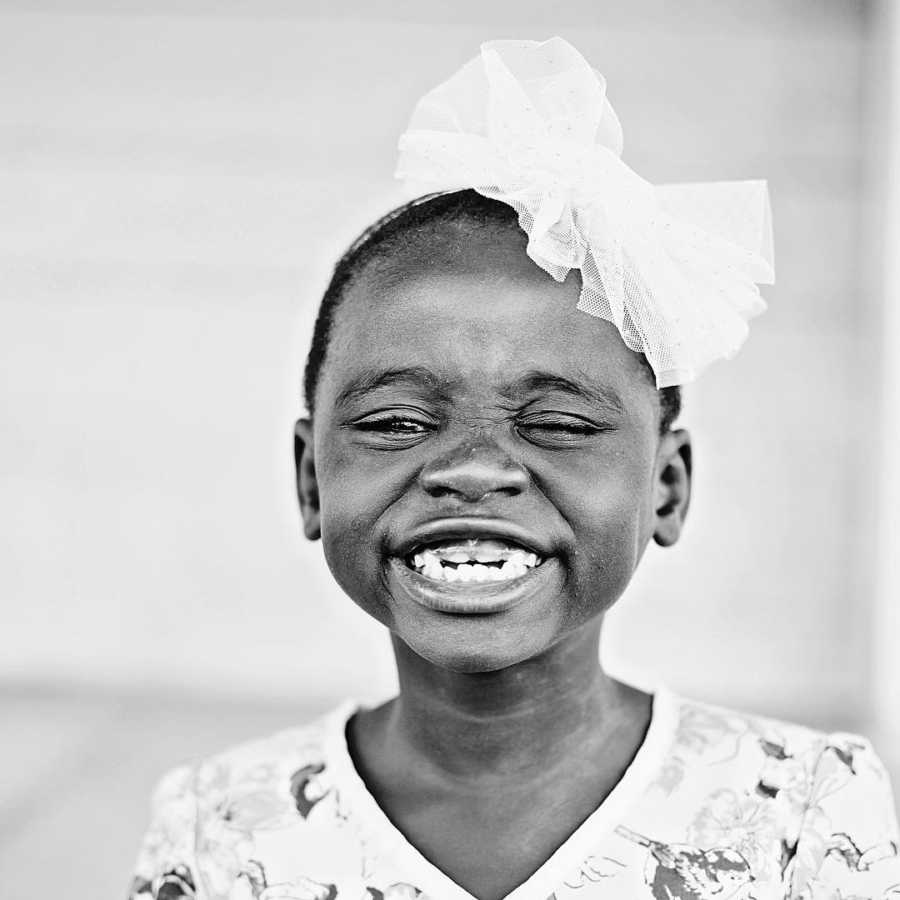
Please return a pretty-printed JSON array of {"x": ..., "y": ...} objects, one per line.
[
  {"x": 609, "y": 514},
  {"x": 356, "y": 570}
]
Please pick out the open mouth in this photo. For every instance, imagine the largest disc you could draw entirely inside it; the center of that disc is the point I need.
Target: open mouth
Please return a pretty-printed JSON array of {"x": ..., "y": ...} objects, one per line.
[{"x": 477, "y": 560}]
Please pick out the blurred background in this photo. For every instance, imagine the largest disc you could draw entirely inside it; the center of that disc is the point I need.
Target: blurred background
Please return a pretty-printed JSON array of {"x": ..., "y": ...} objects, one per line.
[{"x": 176, "y": 180}]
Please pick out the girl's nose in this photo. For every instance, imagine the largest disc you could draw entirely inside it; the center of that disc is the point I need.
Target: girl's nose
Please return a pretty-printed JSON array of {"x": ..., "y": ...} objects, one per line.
[{"x": 472, "y": 471}]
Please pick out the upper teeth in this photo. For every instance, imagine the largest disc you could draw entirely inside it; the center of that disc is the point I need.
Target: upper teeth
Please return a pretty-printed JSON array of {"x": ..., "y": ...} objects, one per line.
[{"x": 465, "y": 561}]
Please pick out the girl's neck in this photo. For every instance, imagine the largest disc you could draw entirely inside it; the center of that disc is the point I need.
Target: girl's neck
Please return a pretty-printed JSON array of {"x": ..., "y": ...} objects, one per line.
[{"x": 511, "y": 723}]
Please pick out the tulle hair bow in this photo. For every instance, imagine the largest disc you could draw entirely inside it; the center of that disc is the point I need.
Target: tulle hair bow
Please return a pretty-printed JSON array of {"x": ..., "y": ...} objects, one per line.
[{"x": 674, "y": 267}]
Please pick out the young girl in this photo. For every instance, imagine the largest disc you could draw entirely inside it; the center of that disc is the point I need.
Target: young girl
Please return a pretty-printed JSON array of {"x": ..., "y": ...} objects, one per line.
[{"x": 492, "y": 388}]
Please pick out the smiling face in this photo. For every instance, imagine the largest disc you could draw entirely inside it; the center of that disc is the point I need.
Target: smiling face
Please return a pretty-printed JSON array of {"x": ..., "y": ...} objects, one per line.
[{"x": 485, "y": 467}]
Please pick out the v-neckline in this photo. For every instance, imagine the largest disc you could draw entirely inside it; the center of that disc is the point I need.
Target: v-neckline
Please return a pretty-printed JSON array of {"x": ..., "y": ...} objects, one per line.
[{"x": 565, "y": 860}]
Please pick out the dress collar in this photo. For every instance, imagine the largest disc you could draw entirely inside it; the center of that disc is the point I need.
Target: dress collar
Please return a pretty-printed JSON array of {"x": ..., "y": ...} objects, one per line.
[{"x": 362, "y": 806}]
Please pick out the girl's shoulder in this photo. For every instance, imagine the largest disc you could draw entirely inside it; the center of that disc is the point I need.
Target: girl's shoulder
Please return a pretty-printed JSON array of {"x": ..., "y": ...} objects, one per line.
[
  {"x": 212, "y": 808},
  {"x": 236, "y": 780},
  {"x": 708, "y": 737},
  {"x": 698, "y": 725},
  {"x": 792, "y": 810},
  {"x": 830, "y": 779}
]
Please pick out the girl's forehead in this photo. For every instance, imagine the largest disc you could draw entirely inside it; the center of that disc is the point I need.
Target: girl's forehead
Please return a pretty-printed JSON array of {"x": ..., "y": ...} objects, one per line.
[
  {"x": 480, "y": 323},
  {"x": 464, "y": 286}
]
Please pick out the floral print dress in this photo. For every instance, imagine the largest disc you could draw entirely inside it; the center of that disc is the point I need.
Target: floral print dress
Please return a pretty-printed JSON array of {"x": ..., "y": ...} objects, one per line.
[{"x": 716, "y": 805}]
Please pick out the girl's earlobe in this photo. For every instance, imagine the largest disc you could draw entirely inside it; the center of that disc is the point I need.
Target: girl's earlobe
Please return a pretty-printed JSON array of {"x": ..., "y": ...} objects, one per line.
[
  {"x": 673, "y": 486},
  {"x": 307, "y": 484}
]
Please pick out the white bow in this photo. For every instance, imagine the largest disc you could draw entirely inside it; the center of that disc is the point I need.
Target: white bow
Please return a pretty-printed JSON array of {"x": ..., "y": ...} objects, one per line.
[{"x": 674, "y": 267}]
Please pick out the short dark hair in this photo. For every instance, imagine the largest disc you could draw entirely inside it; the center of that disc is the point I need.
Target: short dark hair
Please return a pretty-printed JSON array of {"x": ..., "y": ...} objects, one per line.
[{"x": 401, "y": 227}]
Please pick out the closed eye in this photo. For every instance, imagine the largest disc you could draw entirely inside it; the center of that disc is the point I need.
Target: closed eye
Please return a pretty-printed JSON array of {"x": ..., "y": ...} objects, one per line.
[
  {"x": 558, "y": 429},
  {"x": 393, "y": 424},
  {"x": 393, "y": 429},
  {"x": 572, "y": 427}
]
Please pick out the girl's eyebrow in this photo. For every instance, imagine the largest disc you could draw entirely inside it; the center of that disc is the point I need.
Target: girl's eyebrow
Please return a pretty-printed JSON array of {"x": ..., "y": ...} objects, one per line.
[
  {"x": 409, "y": 376},
  {"x": 423, "y": 378},
  {"x": 584, "y": 388}
]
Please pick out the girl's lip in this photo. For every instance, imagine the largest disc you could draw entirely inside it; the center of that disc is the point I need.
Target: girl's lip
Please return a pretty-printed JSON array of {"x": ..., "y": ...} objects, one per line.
[
  {"x": 470, "y": 597},
  {"x": 468, "y": 528}
]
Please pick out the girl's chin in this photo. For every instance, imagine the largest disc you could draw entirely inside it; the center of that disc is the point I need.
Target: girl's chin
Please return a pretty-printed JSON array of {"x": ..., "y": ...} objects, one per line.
[
  {"x": 464, "y": 656},
  {"x": 477, "y": 628}
]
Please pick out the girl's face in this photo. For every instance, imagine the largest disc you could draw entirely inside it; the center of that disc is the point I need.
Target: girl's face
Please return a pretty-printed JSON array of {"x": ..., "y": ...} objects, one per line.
[{"x": 472, "y": 424}]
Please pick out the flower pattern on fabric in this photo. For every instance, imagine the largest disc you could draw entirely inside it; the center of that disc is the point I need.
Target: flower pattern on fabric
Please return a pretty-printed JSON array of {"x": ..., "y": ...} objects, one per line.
[
  {"x": 700, "y": 729},
  {"x": 594, "y": 869},
  {"x": 741, "y": 823},
  {"x": 687, "y": 872},
  {"x": 298, "y": 888},
  {"x": 400, "y": 891},
  {"x": 306, "y": 788},
  {"x": 848, "y": 843},
  {"x": 729, "y": 807}
]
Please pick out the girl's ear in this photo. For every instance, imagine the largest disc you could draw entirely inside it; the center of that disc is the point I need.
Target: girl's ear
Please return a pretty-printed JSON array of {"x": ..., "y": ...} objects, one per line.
[
  {"x": 307, "y": 485},
  {"x": 672, "y": 494}
]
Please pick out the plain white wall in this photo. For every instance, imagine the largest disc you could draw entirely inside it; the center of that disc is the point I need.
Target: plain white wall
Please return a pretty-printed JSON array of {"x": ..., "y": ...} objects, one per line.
[
  {"x": 173, "y": 191},
  {"x": 884, "y": 191}
]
